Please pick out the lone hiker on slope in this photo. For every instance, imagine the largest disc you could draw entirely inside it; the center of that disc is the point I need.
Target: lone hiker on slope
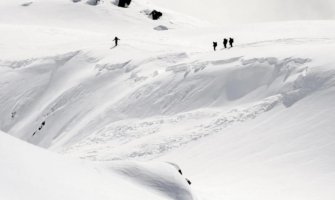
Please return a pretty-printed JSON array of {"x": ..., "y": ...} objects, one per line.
[
  {"x": 231, "y": 41},
  {"x": 225, "y": 42},
  {"x": 116, "y": 39},
  {"x": 215, "y": 44}
]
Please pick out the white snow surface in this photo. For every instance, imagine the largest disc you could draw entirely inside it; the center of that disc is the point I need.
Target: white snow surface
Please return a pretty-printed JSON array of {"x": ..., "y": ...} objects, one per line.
[
  {"x": 28, "y": 172},
  {"x": 251, "y": 122}
]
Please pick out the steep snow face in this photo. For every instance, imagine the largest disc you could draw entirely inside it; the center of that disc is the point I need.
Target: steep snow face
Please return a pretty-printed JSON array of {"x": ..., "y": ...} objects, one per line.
[
  {"x": 58, "y": 100},
  {"x": 28, "y": 172}
]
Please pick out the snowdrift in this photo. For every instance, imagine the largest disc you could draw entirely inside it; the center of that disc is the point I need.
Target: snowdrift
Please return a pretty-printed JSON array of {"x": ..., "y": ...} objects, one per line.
[{"x": 28, "y": 172}]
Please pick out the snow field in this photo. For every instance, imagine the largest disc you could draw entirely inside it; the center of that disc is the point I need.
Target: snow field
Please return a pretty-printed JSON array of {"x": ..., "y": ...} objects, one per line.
[
  {"x": 28, "y": 172},
  {"x": 251, "y": 122}
]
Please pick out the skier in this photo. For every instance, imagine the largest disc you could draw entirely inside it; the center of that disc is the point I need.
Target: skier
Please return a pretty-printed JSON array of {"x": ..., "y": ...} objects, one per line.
[
  {"x": 231, "y": 41},
  {"x": 116, "y": 39},
  {"x": 215, "y": 44},
  {"x": 225, "y": 42}
]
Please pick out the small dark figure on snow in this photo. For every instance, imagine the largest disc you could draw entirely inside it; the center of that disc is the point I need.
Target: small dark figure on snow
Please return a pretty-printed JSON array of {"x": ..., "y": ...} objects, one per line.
[
  {"x": 180, "y": 172},
  {"x": 13, "y": 114},
  {"x": 188, "y": 181},
  {"x": 43, "y": 124},
  {"x": 116, "y": 39},
  {"x": 231, "y": 41},
  {"x": 215, "y": 44},
  {"x": 225, "y": 42}
]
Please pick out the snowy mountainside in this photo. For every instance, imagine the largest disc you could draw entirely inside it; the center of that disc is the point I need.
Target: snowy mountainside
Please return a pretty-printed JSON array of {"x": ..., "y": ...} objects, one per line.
[
  {"x": 256, "y": 118},
  {"x": 28, "y": 172},
  {"x": 86, "y": 91}
]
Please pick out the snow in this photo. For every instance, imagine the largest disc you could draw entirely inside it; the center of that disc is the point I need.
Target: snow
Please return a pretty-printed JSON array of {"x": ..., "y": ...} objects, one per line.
[
  {"x": 225, "y": 12},
  {"x": 251, "y": 122},
  {"x": 28, "y": 172}
]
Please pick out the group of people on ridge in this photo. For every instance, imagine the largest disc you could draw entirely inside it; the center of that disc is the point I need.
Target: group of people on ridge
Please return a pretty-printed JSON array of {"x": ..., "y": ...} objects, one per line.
[
  {"x": 215, "y": 44},
  {"x": 225, "y": 43}
]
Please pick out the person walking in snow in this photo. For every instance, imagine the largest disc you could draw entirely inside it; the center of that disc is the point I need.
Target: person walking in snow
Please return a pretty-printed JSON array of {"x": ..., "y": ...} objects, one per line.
[
  {"x": 215, "y": 44},
  {"x": 231, "y": 41},
  {"x": 225, "y": 42},
  {"x": 116, "y": 39}
]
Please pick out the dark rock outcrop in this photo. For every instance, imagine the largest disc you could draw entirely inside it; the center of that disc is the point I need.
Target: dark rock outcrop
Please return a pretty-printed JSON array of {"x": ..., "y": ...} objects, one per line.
[
  {"x": 161, "y": 28},
  {"x": 156, "y": 14},
  {"x": 92, "y": 2},
  {"x": 27, "y": 4},
  {"x": 124, "y": 3}
]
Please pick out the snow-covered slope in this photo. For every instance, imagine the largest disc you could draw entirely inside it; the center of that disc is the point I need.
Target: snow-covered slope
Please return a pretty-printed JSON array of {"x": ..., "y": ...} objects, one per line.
[
  {"x": 104, "y": 17},
  {"x": 28, "y": 172},
  {"x": 251, "y": 122},
  {"x": 240, "y": 11}
]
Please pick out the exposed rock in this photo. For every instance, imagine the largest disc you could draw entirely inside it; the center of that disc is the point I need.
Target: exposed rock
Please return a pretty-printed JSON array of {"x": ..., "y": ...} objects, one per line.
[
  {"x": 123, "y": 3},
  {"x": 27, "y": 4},
  {"x": 156, "y": 14},
  {"x": 92, "y": 2},
  {"x": 161, "y": 28}
]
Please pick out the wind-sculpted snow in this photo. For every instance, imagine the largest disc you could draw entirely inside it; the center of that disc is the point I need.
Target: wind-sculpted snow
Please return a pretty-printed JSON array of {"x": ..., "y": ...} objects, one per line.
[
  {"x": 289, "y": 41},
  {"x": 180, "y": 84},
  {"x": 276, "y": 81},
  {"x": 125, "y": 139},
  {"x": 233, "y": 79},
  {"x": 158, "y": 176},
  {"x": 38, "y": 174}
]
